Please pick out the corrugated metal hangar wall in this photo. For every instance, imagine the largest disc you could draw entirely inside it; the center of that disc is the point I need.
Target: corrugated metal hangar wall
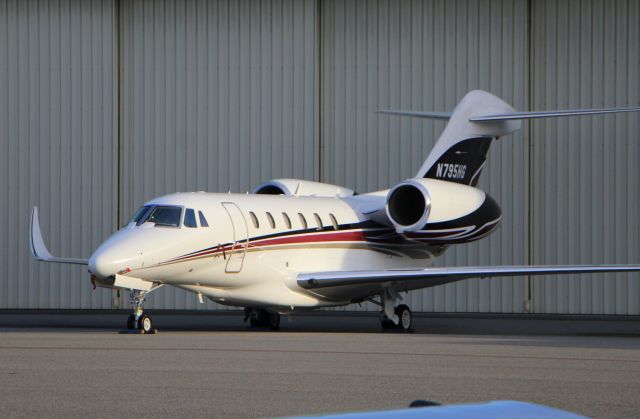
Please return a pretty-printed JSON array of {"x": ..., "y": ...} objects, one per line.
[{"x": 105, "y": 104}]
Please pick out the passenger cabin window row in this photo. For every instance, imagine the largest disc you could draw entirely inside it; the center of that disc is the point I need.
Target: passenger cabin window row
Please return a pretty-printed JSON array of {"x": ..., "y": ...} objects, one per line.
[{"x": 287, "y": 220}]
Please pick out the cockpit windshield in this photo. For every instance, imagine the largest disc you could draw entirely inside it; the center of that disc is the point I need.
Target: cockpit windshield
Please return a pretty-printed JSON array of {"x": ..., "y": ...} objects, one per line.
[
  {"x": 142, "y": 211},
  {"x": 163, "y": 215},
  {"x": 160, "y": 215}
]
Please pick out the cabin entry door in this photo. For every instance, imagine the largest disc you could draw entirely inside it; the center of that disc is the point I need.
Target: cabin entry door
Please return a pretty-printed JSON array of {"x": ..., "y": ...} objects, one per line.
[{"x": 240, "y": 238}]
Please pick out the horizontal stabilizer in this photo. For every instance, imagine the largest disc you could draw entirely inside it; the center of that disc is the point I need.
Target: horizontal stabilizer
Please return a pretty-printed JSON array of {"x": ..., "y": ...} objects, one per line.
[
  {"x": 39, "y": 250},
  {"x": 416, "y": 114},
  {"x": 443, "y": 275},
  {"x": 547, "y": 114}
]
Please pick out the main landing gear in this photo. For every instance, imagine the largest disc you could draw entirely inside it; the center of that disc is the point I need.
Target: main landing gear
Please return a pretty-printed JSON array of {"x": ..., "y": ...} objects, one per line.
[
  {"x": 138, "y": 320},
  {"x": 259, "y": 317},
  {"x": 394, "y": 316}
]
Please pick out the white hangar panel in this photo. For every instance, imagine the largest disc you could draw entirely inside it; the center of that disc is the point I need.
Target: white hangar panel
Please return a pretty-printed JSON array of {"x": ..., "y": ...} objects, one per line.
[
  {"x": 584, "y": 171},
  {"x": 57, "y": 119},
  {"x": 216, "y": 96},
  {"x": 425, "y": 56}
]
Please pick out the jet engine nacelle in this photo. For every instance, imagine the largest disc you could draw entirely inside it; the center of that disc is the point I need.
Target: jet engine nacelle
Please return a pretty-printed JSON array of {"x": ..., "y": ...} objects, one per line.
[
  {"x": 408, "y": 205},
  {"x": 299, "y": 187},
  {"x": 413, "y": 203}
]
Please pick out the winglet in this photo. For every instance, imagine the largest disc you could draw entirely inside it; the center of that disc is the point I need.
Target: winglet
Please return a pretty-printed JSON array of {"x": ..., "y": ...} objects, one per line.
[{"x": 39, "y": 250}]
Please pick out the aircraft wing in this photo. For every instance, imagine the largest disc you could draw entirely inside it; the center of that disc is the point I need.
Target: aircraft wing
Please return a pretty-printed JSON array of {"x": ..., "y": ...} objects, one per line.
[
  {"x": 39, "y": 250},
  {"x": 423, "y": 278},
  {"x": 511, "y": 116}
]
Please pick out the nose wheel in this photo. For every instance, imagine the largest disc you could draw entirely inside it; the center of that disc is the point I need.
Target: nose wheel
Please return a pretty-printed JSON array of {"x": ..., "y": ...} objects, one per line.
[
  {"x": 145, "y": 323},
  {"x": 138, "y": 321}
]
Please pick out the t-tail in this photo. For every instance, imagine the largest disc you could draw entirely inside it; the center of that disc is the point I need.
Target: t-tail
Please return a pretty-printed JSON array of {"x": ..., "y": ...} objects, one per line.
[{"x": 480, "y": 117}]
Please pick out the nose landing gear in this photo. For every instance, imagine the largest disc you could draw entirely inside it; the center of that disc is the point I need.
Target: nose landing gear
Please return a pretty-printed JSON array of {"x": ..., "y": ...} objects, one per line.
[{"x": 138, "y": 320}]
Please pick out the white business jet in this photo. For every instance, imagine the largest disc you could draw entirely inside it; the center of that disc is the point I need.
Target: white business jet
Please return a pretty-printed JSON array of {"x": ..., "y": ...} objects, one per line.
[{"x": 299, "y": 245}]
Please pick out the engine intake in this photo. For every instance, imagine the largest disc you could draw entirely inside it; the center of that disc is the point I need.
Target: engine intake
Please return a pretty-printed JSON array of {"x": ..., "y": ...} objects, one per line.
[{"x": 408, "y": 206}]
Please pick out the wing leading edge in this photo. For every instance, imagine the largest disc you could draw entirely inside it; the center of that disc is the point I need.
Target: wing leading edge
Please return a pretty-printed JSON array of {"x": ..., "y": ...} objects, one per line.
[
  {"x": 485, "y": 119},
  {"x": 315, "y": 280}
]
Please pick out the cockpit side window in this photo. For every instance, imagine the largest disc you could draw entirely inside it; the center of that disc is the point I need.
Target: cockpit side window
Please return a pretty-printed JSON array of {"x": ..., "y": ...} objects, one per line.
[
  {"x": 163, "y": 215},
  {"x": 203, "y": 221},
  {"x": 190, "y": 218}
]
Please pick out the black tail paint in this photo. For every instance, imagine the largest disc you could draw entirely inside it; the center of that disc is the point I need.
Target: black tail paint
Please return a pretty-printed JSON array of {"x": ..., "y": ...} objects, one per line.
[{"x": 463, "y": 162}]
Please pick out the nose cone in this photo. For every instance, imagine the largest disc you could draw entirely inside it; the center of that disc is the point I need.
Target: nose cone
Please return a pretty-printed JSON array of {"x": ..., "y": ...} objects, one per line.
[
  {"x": 102, "y": 265},
  {"x": 114, "y": 256}
]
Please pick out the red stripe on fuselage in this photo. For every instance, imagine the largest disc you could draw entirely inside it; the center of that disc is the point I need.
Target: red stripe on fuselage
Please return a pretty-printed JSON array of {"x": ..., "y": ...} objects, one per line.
[
  {"x": 318, "y": 237},
  {"x": 310, "y": 238}
]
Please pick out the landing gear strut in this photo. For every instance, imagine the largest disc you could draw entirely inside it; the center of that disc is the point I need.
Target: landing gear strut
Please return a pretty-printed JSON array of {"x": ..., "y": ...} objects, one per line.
[
  {"x": 394, "y": 316},
  {"x": 259, "y": 317},
  {"x": 139, "y": 320}
]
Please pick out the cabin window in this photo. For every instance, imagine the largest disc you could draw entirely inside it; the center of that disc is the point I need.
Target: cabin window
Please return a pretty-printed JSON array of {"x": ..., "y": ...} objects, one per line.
[
  {"x": 287, "y": 220},
  {"x": 272, "y": 222},
  {"x": 203, "y": 221},
  {"x": 318, "y": 220},
  {"x": 190, "y": 218},
  {"x": 254, "y": 219},
  {"x": 303, "y": 221},
  {"x": 168, "y": 216},
  {"x": 334, "y": 221}
]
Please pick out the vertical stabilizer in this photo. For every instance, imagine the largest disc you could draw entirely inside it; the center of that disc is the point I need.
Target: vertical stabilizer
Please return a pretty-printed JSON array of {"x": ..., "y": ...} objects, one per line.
[{"x": 460, "y": 152}]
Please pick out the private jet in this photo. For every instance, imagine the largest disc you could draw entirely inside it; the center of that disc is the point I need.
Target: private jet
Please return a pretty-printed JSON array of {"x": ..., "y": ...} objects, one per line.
[{"x": 296, "y": 245}]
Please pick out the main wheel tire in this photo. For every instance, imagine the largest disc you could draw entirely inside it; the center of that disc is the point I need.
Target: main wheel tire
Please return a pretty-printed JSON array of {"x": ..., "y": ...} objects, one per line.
[
  {"x": 131, "y": 322},
  {"x": 145, "y": 323},
  {"x": 403, "y": 312},
  {"x": 259, "y": 318},
  {"x": 274, "y": 320},
  {"x": 386, "y": 323}
]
